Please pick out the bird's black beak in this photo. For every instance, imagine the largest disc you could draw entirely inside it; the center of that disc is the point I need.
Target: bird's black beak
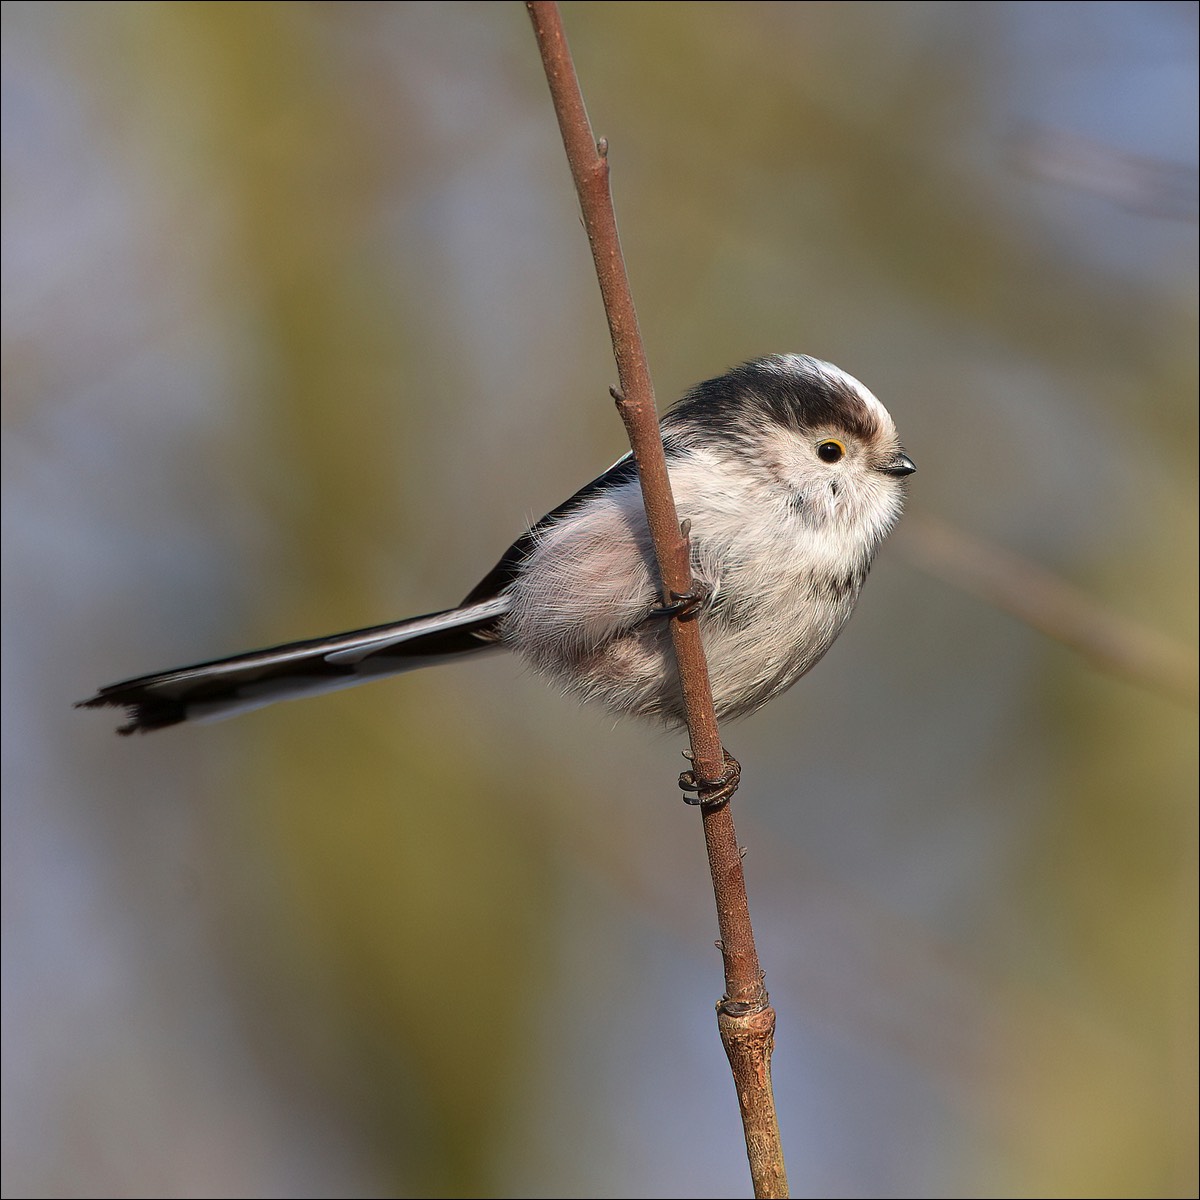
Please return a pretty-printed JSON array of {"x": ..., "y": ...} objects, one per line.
[{"x": 900, "y": 464}]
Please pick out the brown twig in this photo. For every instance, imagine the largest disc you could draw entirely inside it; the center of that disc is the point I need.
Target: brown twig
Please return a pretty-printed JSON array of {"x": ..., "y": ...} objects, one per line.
[
  {"x": 745, "y": 1017},
  {"x": 1049, "y": 604}
]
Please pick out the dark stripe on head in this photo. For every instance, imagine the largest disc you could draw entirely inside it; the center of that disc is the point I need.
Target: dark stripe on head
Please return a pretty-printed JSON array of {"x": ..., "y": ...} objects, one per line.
[{"x": 794, "y": 391}]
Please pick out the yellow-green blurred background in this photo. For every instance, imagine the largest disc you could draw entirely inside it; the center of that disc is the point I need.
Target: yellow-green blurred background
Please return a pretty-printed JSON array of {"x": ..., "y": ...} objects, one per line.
[{"x": 300, "y": 328}]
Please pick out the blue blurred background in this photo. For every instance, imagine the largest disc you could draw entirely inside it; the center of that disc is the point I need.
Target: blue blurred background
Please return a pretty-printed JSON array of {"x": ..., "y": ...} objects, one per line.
[{"x": 300, "y": 328}]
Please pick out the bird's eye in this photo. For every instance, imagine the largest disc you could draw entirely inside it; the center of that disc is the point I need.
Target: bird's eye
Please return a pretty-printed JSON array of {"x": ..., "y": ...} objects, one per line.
[{"x": 831, "y": 450}]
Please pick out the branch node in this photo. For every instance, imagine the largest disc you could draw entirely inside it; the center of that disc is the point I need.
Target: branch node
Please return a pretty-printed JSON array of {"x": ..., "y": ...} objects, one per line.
[
  {"x": 602, "y": 147},
  {"x": 736, "y": 1008},
  {"x": 747, "y": 1001}
]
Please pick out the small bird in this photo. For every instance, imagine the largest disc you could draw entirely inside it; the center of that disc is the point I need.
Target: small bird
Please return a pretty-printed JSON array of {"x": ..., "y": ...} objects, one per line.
[{"x": 790, "y": 474}]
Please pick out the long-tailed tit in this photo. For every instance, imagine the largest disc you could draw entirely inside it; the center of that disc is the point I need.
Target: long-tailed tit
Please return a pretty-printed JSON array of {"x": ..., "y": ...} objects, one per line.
[{"x": 790, "y": 473}]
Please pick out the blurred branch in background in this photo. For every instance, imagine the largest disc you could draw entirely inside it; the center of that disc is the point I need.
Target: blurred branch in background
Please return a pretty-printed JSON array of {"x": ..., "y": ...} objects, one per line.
[
  {"x": 1038, "y": 597},
  {"x": 1153, "y": 187}
]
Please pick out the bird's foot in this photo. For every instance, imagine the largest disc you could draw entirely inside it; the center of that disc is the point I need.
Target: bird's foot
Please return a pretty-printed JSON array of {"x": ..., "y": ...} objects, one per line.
[{"x": 712, "y": 793}]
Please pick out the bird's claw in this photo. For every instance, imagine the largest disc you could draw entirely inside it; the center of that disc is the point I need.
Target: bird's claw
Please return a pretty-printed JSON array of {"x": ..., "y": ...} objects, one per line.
[
  {"x": 684, "y": 605},
  {"x": 712, "y": 793}
]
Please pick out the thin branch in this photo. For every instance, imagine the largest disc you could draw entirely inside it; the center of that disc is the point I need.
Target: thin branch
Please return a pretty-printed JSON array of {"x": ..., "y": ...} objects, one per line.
[
  {"x": 745, "y": 1017},
  {"x": 1056, "y": 608}
]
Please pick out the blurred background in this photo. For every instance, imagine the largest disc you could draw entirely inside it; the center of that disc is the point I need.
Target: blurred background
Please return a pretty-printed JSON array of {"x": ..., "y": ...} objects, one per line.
[{"x": 300, "y": 328}]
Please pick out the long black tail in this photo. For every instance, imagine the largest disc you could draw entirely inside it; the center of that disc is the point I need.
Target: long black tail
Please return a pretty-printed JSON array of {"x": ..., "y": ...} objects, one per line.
[{"x": 212, "y": 690}]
